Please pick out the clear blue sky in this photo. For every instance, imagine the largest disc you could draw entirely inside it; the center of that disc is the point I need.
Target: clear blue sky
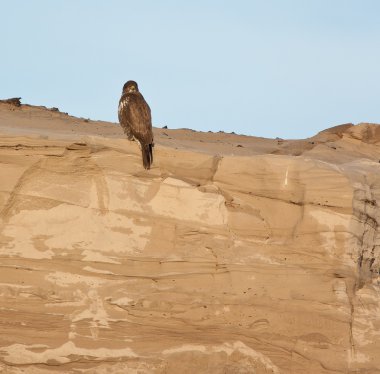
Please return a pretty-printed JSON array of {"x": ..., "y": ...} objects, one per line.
[{"x": 286, "y": 68}]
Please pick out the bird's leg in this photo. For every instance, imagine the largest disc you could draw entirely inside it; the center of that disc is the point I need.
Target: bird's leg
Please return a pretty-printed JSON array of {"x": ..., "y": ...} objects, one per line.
[{"x": 129, "y": 134}]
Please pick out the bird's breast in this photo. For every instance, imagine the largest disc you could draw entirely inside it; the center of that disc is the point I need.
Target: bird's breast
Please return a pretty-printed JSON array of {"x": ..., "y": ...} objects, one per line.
[{"x": 123, "y": 103}]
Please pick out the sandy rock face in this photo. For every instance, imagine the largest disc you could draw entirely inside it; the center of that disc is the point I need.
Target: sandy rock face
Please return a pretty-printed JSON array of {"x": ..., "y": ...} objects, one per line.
[{"x": 261, "y": 263}]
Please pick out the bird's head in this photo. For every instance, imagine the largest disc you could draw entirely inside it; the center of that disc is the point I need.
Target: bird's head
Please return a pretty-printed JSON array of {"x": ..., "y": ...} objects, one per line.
[{"x": 130, "y": 86}]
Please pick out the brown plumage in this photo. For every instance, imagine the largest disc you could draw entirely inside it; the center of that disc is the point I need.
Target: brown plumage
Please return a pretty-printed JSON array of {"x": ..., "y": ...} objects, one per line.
[{"x": 136, "y": 120}]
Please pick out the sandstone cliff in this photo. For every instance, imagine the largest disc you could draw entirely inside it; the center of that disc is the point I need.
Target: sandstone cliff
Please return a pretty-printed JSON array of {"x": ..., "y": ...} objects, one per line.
[{"x": 233, "y": 254}]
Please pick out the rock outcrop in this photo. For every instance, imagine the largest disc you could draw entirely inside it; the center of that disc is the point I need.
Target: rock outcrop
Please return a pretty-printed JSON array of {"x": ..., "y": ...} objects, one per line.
[
  {"x": 220, "y": 259},
  {"x": 14, "y": 101}
]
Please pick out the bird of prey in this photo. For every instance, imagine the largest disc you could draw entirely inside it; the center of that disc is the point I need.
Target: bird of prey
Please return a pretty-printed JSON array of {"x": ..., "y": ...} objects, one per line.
[{"x": 136, "y": 120}]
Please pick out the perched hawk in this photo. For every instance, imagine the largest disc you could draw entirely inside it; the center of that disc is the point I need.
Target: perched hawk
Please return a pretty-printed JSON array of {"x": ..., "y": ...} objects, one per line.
[{"x": 136, "y": 120}]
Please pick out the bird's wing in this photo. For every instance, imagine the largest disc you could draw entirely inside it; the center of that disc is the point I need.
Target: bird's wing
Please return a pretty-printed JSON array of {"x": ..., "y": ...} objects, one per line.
[{"x": 139, "y": 118}]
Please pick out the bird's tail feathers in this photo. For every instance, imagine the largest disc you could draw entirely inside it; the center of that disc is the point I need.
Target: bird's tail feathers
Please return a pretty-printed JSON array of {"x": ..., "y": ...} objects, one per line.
[{"x": 147, "y": 155}]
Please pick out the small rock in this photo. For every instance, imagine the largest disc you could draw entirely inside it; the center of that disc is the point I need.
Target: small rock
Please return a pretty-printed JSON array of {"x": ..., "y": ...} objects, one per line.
[{"x": 13, "y": 101}]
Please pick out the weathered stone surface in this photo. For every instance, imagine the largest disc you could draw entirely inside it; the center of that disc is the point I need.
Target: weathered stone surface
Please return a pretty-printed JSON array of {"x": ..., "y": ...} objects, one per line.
[{"x": 208, "y": 263}]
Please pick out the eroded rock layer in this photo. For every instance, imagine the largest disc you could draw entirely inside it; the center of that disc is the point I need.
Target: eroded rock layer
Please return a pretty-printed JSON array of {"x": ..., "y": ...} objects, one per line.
[{"x": 265, "y": 262}]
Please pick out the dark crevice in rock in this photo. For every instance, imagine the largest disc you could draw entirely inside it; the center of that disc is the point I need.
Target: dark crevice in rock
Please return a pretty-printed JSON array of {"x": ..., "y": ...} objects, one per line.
[{"x": 368, "y": 253}]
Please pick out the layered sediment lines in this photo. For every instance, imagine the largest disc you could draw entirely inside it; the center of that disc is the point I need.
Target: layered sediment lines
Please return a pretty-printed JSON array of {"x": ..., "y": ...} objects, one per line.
[{"x": 263, "y": 261}]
